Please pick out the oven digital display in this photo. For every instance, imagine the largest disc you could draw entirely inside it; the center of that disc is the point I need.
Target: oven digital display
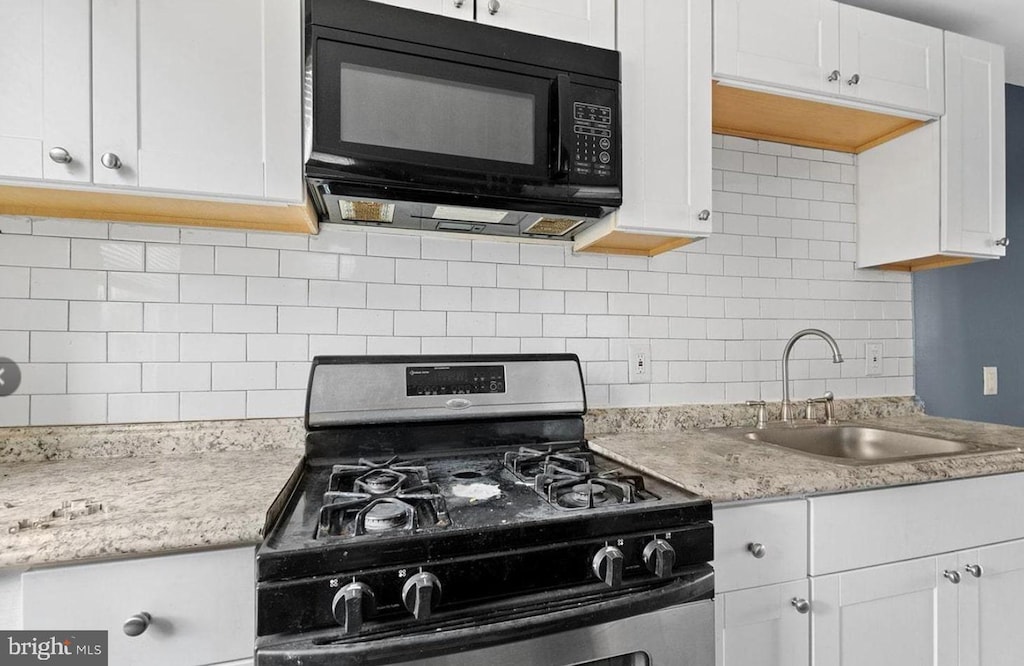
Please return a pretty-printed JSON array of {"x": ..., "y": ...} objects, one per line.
[{"x": 454, "y": 380}]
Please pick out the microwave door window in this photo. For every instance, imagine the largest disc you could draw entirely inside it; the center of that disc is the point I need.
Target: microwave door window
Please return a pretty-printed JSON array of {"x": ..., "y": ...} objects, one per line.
[{"x": 410, "y": 112}]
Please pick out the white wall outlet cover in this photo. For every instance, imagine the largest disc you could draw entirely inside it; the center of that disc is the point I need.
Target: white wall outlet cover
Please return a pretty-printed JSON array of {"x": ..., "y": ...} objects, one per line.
[
  {"x": 990, "y": 377},
  {"x": 639, "y": 364},
  {"x": 873, "y": 358}
]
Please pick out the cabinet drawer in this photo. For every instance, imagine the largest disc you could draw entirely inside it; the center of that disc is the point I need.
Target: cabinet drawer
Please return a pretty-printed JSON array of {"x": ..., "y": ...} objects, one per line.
[
  {"x": 202, "y": 605},
  {"x": 862, "y": 529},
  {"x": 780, "y": 527}
]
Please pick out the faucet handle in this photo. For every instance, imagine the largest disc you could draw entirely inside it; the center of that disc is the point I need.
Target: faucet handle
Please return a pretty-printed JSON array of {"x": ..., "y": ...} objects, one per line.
[
  {"x": 830, "y": 407},
  {"x": 762, "y": 412}
]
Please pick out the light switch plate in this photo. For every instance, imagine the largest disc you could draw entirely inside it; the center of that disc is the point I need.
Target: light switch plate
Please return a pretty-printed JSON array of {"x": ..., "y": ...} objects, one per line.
[{"x": 990, "y": 378}]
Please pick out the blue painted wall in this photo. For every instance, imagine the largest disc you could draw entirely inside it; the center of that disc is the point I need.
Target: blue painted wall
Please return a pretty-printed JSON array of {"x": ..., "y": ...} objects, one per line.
[{"x": 972, "y": 316}]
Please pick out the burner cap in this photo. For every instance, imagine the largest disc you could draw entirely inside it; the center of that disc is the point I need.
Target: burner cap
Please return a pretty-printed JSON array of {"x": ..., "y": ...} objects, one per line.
[
  {"x": 384, "y": 516},
  {"x": 586, "y": 494}
]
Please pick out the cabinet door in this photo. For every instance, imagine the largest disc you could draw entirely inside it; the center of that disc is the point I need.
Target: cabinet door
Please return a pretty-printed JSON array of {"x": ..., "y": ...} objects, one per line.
[
  {"x": 666, "y": 117},
  {"x": 789, "y": 43},
  {"x": 902, "y": 614},
  {"x": 761, "y": 627},
  {"x": 991, "y": 611},
  {"x": 584, "y": 21},
  {"x": 462, "y": 9},
  {"x": 201, "y": 605},
  {"x": 218, "y": 96},
  {"x": 890, "y": 61},
  {"x": 974, "y": 148},
  {"x": 44, "y": 88}
]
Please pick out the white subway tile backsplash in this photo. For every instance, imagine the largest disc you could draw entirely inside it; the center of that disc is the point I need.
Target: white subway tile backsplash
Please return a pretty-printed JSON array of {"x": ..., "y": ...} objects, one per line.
[
  {"x": 22, "y": 314},
  {"x": 246, "y": 261},
  {"x": 175, "y": 377},
  {"x": 212, "y": 347},
  {"x": 166, "y": 258},
  {"x": 175, "y": 318},
  {"x": 142, "y": 347},
  {"x": 145, "y": 287},
  {"x": 53, "y": 347},
  {"x": 68, "y": 409},
  {"x": 107, "y": 255},
  {"x": 142, "y": 407},
  {"x": 138, "y": 322},
  {"x": 276, "y": 291},
  {"x": 68, "y": 284}
]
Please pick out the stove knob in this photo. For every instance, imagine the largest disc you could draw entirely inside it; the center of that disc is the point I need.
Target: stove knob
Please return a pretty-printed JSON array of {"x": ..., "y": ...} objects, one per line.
[
  {"x": 420, "y": 594},
  {"x": 607, "y": 566},
  {"x": 660, "y": 557},
  {"x": 352, "y": 604}
]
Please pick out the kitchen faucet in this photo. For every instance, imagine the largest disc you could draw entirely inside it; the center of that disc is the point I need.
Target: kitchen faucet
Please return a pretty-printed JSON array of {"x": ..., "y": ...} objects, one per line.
[{"x": 837, "y": 357}]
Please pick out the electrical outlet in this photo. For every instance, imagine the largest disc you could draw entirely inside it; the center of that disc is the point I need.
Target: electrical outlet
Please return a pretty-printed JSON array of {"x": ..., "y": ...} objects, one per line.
[
  {"x": 639, "y": 364},
  {"x": 873, "y": 359},
  {"x": 990, "y": 382}
]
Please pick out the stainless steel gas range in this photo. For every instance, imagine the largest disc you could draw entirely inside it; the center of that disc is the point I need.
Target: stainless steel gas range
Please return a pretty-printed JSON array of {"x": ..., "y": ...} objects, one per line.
[{"x": 449, "y": 511}]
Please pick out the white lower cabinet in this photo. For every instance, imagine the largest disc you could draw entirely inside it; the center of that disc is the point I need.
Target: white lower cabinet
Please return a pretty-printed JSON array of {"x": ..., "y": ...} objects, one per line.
[
  {"x": 201, "y": 606},
  {"x": 763, "y": 626},
  {"x": 901, "y": 614},
  {"x": 991, "y": 605}
]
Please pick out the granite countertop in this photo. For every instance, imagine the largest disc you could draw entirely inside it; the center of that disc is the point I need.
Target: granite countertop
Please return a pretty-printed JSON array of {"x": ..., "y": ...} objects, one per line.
[
  {"x": 723, "y": 468},
  {"x": 93, "y": 492}
]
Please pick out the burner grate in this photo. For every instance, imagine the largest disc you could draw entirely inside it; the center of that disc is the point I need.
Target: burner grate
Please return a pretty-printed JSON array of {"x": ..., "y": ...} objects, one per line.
[{"x": 355, "y": 514}]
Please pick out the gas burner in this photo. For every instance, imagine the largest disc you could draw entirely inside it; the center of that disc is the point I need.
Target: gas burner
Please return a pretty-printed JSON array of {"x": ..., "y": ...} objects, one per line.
[
  {"x": 385, "y": 478},
  {"x": 567, "y": 490},
  {"x": 528, "y": 463},
  {"x": 355, "y": 514}
]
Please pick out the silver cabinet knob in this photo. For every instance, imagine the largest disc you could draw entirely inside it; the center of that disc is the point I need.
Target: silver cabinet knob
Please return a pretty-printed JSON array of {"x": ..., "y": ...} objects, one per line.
[
  {"x": 1004, "y": 241},
  {"x": 493, "y": 6},
  {"x": 110, "y": 160},
  {"x": 458, "y": 4},
  {"x": 758, "y": 550},
  {"x": 854, "y": 80},
  {"x": 60, "y": 155},
  {"x": 833, "y": 76},
  {"x": 137, "y": 624},
  {"x": 952, "y": 576},
  {"x": 704, "y": 215},
  {"x": 974, "y": 569},
  {"x": 802, "y": 606}
]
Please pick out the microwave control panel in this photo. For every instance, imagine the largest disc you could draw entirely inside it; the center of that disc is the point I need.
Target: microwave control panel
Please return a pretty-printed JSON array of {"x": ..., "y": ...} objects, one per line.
[{"x": 595, "y": 157}]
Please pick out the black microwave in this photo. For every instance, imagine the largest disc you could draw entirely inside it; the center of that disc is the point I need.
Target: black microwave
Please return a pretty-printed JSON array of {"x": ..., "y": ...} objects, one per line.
[{"x": 419, "y": 121}]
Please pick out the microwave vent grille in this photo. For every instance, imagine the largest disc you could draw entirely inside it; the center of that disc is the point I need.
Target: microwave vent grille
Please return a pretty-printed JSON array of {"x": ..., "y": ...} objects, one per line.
[
  {"x": 367, "y": 211},
  {"x": 554, "y": 226}
]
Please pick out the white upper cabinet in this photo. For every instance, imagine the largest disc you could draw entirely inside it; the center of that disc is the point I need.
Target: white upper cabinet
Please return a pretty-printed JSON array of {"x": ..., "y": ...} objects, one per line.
[
  {"x": 974, "y": 148},
  {"x": 791, "y": 43},
  {"x": 890, "y": 61},
  {"x": 822, "y": 47},
  {"x": 937, "y": 196},
  {"x": 583, "y": 21},
  {"x": 181, "y": 89},
  {"x": 666, "y": 130},
  {"x": 44, "y": 90},
  {"x": 185, "y": 96}
]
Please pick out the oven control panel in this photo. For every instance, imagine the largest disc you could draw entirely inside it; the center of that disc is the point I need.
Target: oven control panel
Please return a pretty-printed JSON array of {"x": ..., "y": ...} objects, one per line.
[{"x": 454, "y": 379}]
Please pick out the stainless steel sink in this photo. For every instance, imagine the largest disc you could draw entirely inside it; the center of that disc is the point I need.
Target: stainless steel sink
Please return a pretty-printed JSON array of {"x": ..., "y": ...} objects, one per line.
[{"x": 862, "y": 445}]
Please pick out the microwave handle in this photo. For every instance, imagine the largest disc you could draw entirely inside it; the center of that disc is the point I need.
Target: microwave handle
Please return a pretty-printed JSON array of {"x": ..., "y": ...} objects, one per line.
[{"x": 563, "y": 118}]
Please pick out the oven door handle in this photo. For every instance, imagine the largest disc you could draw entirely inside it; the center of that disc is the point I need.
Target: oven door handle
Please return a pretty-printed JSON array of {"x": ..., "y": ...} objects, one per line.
[{"x": 479, "y": 632}]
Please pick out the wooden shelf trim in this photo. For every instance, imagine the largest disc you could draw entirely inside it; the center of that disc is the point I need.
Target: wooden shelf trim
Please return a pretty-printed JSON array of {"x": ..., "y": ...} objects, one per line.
[
  {"x": 644, "y": 245},
  {"x": 925, "y": 263},
  {"x": 46, "y": 202}
]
